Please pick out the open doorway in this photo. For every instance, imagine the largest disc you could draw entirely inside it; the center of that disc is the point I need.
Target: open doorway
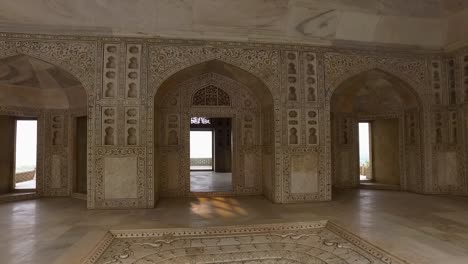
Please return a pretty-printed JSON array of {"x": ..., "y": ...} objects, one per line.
[
  {"x": 379, "y": 154},
  {"x": 81, "y": 130},
  {"x": 201, "y": 150},
  {"x": 25, "y": 155},
  {"x": 365, "y": 152},
  {"x": 210, "y": 154}
]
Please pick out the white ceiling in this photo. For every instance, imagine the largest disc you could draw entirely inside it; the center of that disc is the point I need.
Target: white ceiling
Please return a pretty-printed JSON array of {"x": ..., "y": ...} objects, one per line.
[{"x": 427, "y": 23}]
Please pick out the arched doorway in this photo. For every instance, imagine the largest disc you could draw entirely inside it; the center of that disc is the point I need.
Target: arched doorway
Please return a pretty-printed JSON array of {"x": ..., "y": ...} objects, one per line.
[
  {"x": 37, "y": 91},
  {"x": 214, "y": 90},
  {"x": 379, "y": 108}
]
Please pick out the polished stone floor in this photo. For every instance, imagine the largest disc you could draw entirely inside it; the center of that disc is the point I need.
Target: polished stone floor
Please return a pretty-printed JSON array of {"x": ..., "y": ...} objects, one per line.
[
  {"x": 210, "y": 181},
  {"x": 421, "y": 229}
]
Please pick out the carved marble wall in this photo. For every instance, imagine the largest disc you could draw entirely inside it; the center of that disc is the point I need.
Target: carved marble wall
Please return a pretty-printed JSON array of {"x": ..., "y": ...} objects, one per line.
[
  {"x": 209, "y": 95},
  {"x": 124, "y": 79},
  {"x": 375, "y": 96},
  {"x": 67, "y": 69}
]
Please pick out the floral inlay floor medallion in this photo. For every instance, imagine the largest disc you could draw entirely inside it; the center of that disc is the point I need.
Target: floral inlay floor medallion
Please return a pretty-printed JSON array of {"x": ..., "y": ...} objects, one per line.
[{"x": 312, "y": 242}]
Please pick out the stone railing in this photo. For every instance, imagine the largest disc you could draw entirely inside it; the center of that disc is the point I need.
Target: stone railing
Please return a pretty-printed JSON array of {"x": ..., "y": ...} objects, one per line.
[
  {"x": 365, "y": 171},
  {"x": 201, "y": 162},
  {"x": 24, "y": 176}
]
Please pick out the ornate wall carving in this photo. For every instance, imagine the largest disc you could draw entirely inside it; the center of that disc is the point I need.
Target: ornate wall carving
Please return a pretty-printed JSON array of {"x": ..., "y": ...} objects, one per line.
[
  {"x": 412, "y": 70},
  {"x": 103, "y": 200},
  {"x": 264, "y": 63},
  {"x": 210, "y": 95},
  {"x": 77, "y": 57},
  {"x": 464, "y": 63},
  {"x": 436, "y": 78},
  {"x": 452, "y": 81},
  {"x": 122, "y": 75}
]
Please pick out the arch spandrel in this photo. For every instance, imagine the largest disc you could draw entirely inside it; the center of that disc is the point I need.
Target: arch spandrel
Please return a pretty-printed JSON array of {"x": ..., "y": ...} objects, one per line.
[
  {"x": 348, "y": 89},
  {"x": 339, "y": 68},
  {"x": 166, "y": 61},
  {"x": 77, "y": 58}
]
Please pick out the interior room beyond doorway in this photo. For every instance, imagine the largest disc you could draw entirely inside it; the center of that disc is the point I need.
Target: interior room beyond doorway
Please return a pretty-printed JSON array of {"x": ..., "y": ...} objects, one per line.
[{"x": 210, "y": 155}]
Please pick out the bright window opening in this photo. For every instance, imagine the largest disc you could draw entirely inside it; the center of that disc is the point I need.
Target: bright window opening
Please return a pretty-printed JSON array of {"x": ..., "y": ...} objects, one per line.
[
  {"x": 25, "y": 154},
  {"x": 365, "y": 159},
  {"x": 201, "y": 150}
]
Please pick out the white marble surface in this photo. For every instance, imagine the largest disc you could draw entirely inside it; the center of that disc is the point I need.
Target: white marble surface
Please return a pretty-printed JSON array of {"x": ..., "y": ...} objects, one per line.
[
  {"x": 304, "y": 173},
  {"x": 120, "y": 177},
  {"x": 316, "y": 21},
  {"x": 210, "y": 181},
  {"x": 421, "y": 229}
]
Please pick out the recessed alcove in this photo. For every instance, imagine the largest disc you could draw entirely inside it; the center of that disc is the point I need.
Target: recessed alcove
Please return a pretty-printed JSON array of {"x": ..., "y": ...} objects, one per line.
[
  {"x": 390, "y": 110},
  {"x": 40, "y": 103},
  {"x": 224, "y": 94}
]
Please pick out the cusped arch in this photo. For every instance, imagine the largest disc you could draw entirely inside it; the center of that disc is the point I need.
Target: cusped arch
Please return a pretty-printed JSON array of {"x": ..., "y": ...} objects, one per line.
[
  {"x": 248, "y": 94},
  {"x": 268, "y": 77},
  {"x": 211, "y": 96},
  {"x": 336, "y": 78},
  {"x": 401, "y": 86},
  {"x": 223, "y": 70},
  {"x": 358, "y": 96}
]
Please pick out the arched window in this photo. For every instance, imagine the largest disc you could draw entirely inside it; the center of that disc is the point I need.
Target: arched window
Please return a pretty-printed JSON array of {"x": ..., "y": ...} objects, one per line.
[{"x": 211, "y": 96}]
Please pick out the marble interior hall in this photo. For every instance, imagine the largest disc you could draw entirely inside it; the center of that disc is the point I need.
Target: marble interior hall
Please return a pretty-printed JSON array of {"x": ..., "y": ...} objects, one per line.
[{"x": 113, "y": 87}]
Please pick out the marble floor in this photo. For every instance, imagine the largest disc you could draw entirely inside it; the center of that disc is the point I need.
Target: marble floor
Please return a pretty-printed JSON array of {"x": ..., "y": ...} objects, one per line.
[
  {"x": 28, "y": 185},
  {"x": 421, "y": 229},
  {"x": 210, "y": 181}
]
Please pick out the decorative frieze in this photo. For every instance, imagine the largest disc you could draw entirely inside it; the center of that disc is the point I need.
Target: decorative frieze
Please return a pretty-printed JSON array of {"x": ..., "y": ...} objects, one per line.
[
  {"x": 109, "y": 126},
  {"x": 438, "y": 128},
  {"x": 293, "y": 117},
  {"x": 436, "y": 77},
  {"x": 345, "y": 130},
  {"x": 57, "y": 124},
  {"x": 465, "y": 76},
  {"x": 133, "y": 71},
  {"x": 131, "y": 126},
  {"x": 310, "y": 76},
  {"x": 110, "y": 74},
  {"x": 410, "y": 126},
  {"x": 172, "y": 129},
  {"x": 451, "y": 81},
  {"x": 453, "y": 127},
  {"x": 312, "y": 127},
  {"x": 292, "y": 76},
  {"x": 248, "y": 130}
]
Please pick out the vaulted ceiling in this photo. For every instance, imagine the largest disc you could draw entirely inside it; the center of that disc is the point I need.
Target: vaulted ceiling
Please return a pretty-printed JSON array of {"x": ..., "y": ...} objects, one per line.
[
  {"x": 425, "y": 23},
  {"x": 31, "y": 82},
  {"x": 22, "y": 70}
]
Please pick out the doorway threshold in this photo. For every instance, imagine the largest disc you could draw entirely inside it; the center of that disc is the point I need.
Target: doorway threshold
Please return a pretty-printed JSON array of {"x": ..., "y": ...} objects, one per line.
[
  {"x": 17, "y": 196},
  {"x": 379, "y": 186}
]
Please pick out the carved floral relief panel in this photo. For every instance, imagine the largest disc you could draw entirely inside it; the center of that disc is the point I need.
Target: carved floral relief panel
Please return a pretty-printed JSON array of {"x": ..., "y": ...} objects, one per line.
[
  {"x": 464, "y": 63},
  {"x": 310, "y": 77},
  {"x": 114, "y": 70},
  {"x": 452, "y": 81},
  {"x": 133, "y": 71},
  {"x": 436, "y": 78},
  {"x": 110, "y": 75},
  {"x": 109, "y": 125}
]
